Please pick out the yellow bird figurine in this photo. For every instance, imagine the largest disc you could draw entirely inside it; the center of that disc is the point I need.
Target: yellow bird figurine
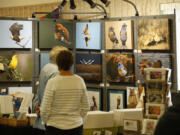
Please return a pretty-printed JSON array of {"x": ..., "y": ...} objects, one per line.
[{"x": 14, "y": 62}]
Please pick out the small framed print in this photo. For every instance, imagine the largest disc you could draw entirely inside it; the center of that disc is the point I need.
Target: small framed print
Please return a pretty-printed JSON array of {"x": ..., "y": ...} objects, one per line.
[
  {"x": 155, "y": 74},
  {"x": 116, "y": 99},
  {"x": 132, "y": 97},
  {"x": 154, "y": 110},
  {"x": 155, "y": 86},
  {"x": 94, "y": 96},
  {"x": 155, "y": 97},
  {"x": 131, "y": 125},
  {"x": 149, "y": 126}
]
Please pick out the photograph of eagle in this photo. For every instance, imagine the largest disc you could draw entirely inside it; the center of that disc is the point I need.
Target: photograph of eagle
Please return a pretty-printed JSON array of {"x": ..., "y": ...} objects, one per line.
[{"x": 15, "y": 29}]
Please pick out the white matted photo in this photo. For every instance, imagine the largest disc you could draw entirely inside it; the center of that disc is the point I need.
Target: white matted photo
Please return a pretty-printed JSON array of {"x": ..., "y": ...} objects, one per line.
[
  {"x": 94, "y": 96},
  {"x": 155, "y": 74},
  {"x": 96, "y": 132},
  {"x": 131, "y": 125},
  {"x": 116, "y": 99},
  {"x": 149, "y": 126},
  {"x": 154, "y": 110}
]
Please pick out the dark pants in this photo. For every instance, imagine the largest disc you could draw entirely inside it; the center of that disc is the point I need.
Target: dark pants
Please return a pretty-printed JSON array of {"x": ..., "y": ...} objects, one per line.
[
  {"x": 38, "y": 131},
  {"x": 55, "y": 131}
]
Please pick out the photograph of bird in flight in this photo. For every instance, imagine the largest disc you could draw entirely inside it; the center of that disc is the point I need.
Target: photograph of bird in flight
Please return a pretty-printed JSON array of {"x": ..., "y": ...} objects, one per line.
[
  {"x": 119, "y": 35},
  {"x": 88, "y": 35},
  {"x": 15, "y": 34}
]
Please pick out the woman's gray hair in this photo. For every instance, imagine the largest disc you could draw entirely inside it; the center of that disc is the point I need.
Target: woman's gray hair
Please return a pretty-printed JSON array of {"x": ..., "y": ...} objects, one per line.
[{"x": 55, "y": 51}]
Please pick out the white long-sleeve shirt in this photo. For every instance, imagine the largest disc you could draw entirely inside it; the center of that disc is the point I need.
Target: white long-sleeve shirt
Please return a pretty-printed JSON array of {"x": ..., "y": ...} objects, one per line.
[{"x": 65, "y": 102}]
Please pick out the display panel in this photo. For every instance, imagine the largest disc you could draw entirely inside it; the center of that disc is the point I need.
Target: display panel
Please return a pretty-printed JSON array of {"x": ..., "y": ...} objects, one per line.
[
  {"x": 88, "y": 35},
  {"x": 55, "y": 33},
  {"x": 15, "y": 34},
  {"x": 16, "y": 67},
  {"x": 94, "y": 96},
  {"x": 153, "y": 34},
  {"x": 89, "y": 66},
  {"x": 154, "y": 60},
  {"x": 119, "y": 35},
  {"x": 120, "y": 67},
  {"x": 116, "y": 99}
]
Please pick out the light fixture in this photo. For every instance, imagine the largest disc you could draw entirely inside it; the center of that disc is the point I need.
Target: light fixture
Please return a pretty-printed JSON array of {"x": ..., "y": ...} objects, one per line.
[
  {"x": 91, "y": 3},
  {"x": 63, "y": 3},
  {"x": 72, "y": 4},
  {"x": 106, "y": 2}
]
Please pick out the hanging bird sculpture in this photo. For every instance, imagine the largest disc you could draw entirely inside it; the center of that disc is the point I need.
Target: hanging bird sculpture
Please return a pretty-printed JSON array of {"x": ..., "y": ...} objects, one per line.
[
  {"x": 62, "y": 34},
  {"x": 112, "y": 35},
  {"x": 123, "y": 34},
  {"x": 14, "y": 62}
]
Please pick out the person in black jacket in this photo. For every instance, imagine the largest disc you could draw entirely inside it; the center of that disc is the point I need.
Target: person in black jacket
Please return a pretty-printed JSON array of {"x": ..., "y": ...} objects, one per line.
[{"x": 170, "y": 121}]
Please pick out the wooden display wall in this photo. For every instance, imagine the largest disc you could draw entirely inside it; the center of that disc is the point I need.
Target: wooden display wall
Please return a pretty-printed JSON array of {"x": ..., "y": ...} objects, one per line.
[{"x": 117, "y": 8}]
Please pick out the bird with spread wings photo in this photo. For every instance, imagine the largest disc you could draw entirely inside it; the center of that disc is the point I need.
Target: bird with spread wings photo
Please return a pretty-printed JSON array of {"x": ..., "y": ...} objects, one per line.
[{"x": 88, "y": 35}]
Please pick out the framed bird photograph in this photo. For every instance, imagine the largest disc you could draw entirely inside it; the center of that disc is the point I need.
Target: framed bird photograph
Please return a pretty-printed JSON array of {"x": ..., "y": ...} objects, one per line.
[
  {"x": 155, "y": 74},
  {"x": 94, "y": 95},
  {"x": 44, "y": 59},
  {"x": 155, "y": 86},
  {"x": 116, "y": 99},
  {"x": 154, "y": 110},
  {"x": 132, "y": 96},
  {"x": 131, "y": 125},
  {"x": 119, "y": 34},
  {"x": 15, "y": 34},
  {"x": 152, "y": 60},
  {"x": 155, "y": 97},
  {"x": 88, "y": 35},
  {"x": 120, "y": 68},
  {"x": 149, "y": 126},
  {"x": 55, "y": 33},
  {"x": 89, "y": 66},
  {"x": 16, "y": 67},
  {"x": 153, "y": 34}
]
